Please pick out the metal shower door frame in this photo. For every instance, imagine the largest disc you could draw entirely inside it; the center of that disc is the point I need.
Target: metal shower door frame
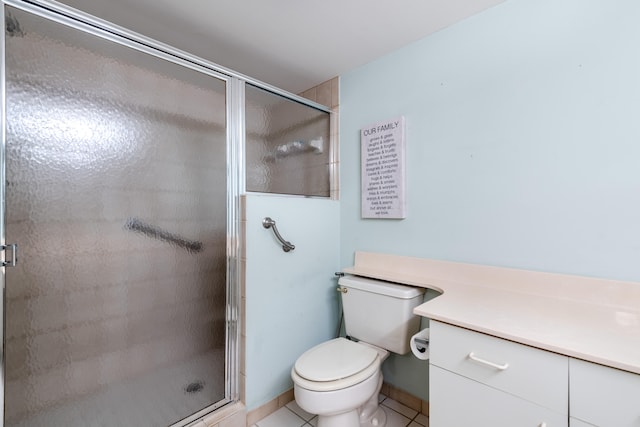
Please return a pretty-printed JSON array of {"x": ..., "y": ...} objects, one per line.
[{"x": 235, "y": 137}]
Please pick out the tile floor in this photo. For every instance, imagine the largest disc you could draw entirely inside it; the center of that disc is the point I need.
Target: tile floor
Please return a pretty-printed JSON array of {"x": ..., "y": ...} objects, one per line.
[{"x": 292, "y": 415}]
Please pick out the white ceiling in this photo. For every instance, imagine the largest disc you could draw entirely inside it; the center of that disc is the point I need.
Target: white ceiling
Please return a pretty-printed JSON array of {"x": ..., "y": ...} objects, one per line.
[{"x": 291, "y": 44}]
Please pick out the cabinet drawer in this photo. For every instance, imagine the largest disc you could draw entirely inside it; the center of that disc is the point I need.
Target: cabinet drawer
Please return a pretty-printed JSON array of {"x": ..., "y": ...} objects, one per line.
[
  {"x": 536, "y": 375},
  {"x": 456, "y": 401},
  {"x": 603, "y": 396}
]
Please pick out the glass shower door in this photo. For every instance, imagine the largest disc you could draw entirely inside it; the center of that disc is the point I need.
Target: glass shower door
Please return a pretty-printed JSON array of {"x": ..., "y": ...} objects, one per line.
[{"x": 116, "y": 195}]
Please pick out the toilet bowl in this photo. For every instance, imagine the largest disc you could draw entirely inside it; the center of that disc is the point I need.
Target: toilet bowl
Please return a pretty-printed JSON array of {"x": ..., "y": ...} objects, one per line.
[{"x": 339, "y": 380}]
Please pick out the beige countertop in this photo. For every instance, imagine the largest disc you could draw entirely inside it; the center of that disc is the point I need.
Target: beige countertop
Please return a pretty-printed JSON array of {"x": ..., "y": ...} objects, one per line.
[{"x": 597, "y": 320}]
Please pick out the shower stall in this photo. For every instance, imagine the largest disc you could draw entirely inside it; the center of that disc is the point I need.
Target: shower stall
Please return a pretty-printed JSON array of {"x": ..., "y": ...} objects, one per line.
[{"x": 122, "y": 163}]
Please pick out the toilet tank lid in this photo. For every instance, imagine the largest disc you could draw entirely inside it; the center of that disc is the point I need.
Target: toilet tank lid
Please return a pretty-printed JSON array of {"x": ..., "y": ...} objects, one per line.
[{"x": 381, "y": 287}]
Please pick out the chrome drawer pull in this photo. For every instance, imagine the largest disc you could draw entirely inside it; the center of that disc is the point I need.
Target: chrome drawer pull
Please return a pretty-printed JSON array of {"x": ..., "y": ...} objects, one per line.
[
  {"x": 543, "y": 425},
  {"x": 486, "y": 362}
]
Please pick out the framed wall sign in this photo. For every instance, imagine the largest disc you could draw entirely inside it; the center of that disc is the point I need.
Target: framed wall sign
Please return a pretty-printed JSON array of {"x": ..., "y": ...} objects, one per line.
[{"x": 383, "y": 169}]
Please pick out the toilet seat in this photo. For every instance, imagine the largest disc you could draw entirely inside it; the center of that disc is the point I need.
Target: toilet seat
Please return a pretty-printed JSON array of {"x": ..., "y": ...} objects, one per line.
[{"x": 335, "y": 365}]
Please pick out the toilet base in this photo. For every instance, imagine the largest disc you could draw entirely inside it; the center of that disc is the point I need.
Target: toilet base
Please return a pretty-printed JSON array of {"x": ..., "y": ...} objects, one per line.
[
  {"x": 346, "y": 419},
  {"x": 369, "y": 414},
  {"x": 379, "y": 419},
  {"x": 352, "y": 419}
]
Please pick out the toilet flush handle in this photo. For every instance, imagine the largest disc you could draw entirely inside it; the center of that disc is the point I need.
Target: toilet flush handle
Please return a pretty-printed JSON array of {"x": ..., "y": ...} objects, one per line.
[{"x": 342, "y": 289}]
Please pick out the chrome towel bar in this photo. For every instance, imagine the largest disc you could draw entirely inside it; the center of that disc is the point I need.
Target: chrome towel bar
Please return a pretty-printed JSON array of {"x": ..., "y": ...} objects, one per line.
[{"x": 270, "y": 223}]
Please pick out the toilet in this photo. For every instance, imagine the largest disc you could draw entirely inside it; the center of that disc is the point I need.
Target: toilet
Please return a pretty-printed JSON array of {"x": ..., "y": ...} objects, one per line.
[{"x": 340, "y": 379}]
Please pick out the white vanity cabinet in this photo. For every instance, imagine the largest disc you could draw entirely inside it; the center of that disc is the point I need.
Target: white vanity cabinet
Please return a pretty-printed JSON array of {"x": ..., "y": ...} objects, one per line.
[
  {"x": 603, "y": 396},
  {"x": 476, "y": 379}
]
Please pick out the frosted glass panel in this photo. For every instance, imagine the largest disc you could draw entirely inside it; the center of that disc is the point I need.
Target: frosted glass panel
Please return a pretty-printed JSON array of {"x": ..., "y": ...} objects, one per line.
[
  {"x": 288, "y": 150},
  {"x": 116, "y": 196}
]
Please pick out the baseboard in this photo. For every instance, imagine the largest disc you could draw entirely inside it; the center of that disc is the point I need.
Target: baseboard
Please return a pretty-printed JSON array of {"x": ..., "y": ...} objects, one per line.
[{"x": 405, "y": 398}]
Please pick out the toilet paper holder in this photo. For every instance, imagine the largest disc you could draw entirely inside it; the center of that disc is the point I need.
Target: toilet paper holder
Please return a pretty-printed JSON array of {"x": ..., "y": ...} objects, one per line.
[{"x": 421, "y": 344}]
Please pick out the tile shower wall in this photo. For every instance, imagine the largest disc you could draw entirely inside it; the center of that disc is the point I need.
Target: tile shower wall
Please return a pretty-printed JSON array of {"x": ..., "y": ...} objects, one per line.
[
  {"x": 288, "y": 146},
  {"x": 92, "y": 304},
  {"x": 307, "y": 128},
  {"x": 328, "y": 94}
]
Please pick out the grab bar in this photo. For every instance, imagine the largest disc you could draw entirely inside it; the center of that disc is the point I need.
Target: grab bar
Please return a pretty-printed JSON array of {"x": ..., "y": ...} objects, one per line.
[{"x": 270, "y": 223}]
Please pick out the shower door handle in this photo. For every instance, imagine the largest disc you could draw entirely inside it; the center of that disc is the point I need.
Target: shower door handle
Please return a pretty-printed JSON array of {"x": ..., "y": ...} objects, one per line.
[{"x": 14, "y": 255}]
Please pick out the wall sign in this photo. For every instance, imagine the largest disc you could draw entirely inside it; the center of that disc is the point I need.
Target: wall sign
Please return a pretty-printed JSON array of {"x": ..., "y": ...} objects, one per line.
[{"x": 383, "y": 171}]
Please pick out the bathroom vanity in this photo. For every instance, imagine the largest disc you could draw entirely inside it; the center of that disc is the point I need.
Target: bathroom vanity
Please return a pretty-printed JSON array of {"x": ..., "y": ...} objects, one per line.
[
  {"x": 477, "y": 379},
  {"x": 504, "y": 383},
  {"x": 522, "y": 348}
]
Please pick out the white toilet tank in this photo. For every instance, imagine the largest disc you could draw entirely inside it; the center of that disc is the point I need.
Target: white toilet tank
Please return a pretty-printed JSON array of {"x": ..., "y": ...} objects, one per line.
[{"x": 380, "y": 313}]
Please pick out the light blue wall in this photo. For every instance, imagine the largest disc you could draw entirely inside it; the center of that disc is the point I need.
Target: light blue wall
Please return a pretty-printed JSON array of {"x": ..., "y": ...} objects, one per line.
[
  {"x": 291, "y": 299},
  {"x": 523, "y": 144}
]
